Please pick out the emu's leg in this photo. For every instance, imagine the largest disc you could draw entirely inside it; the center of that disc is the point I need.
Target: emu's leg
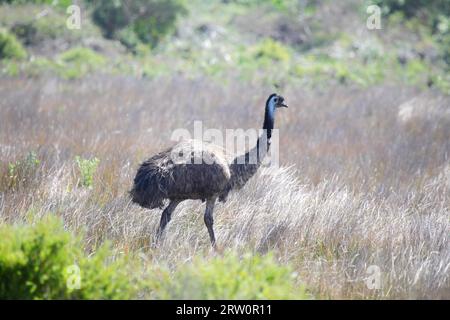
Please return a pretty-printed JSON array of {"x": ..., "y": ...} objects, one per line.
[
  {"x": 165, "y": 218},
  {"x": 209, "y": 220}
]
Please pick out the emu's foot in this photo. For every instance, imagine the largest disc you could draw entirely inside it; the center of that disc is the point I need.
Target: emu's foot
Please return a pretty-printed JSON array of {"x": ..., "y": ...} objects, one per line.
[
  {"x": 155, "y": 242},
  {"x": 218, "y": 250},
  {"x": 154, "y": 245}
]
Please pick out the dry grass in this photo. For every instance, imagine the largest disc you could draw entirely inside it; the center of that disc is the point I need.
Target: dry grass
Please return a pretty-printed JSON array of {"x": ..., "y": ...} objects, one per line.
[{"x": 365, "y": 177}]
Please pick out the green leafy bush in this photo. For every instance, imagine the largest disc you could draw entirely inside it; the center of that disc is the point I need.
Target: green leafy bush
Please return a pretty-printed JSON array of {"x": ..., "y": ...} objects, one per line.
[
  {"x": 11, "y": 68},
  {"x": 71, "y": 64},
  {"x": 87, "y": 168},
  {"x": 21, "y": 171},
  {"x": 129, "y": 39},
  {"x": 149, "y": 20},
  {"x": 272, "y": 50},
  {"x": 432, "y": 13},
  {"x": 410, "y": 8},
  {"x": 35, "y": 31},
  {"x": 77, "y": 62},
  {"x": 228, "y": 277},
  {"x": 45, "y": 262},
  {"x": 282, "y": 5},
  {"x": 10, "y": 47},
  {"x": 60, "y": 3}
]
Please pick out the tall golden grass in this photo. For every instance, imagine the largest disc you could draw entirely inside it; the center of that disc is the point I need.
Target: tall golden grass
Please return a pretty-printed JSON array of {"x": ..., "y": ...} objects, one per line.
[{"x": 363, "y": 182}]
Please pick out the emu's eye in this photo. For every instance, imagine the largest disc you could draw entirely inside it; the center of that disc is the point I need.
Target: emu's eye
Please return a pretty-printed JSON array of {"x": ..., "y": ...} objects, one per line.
[{"x": 275, "y": 100}]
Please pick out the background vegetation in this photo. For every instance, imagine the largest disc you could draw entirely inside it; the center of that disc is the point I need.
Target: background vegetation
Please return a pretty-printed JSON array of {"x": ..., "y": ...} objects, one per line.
[{"x": 364, "y": 147}]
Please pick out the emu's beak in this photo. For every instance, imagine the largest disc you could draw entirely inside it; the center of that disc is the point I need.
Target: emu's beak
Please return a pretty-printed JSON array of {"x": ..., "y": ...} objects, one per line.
[{"x": 281, "y": 103}]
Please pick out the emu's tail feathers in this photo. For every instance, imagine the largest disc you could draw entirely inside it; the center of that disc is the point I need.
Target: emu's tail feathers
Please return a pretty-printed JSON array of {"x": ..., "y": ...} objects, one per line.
[{"x": 150, "y": 186}]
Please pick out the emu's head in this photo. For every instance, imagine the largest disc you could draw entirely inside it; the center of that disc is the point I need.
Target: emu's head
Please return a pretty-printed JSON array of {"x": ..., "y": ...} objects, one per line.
[{"x": 275, "y": 101}]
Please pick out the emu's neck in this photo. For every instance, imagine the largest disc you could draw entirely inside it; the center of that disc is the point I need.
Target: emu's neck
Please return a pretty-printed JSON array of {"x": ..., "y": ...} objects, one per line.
[
  {"x": 245, "y": 166},
  {"x": 264, "y": 140}
]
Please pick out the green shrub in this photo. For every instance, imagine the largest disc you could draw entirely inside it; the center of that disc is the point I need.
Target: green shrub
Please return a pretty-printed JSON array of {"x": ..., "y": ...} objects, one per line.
[
  {"x": 442, "y": 37},
  {"x": 79, "y": 55},
  {"x": 11, "y": 68},
  {"x": 442, "y": 82},
  {"x": 39, "y": 66},
  {"x": 71, "y": 64},
  {"x": 21, "y": 171},
  {"x": 415, "y": 71},
  {"x": 272, "y": 50},
  {"x": 149, "y": 20},
  {"x": 45, "y": 262},
  {"x": 434, "y": 14},
  {"x": 281, "y": 5},
  {"x": 228, "y": 277},
  {"x": 426, "y": 8},
  {"x": 10, "y": 47},
  {"x": 77, "y": 62},
  {"x": 87, "y": 168},
  {"x": 60, "y": 3},
  {"x": 36, "y": 31},
  {"x": 129, "y": 39},
  {"x": 159, "y": 21}
]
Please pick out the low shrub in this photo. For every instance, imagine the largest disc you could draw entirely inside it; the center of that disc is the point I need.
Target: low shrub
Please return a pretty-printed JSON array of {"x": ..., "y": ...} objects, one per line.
[
  {"x": 60, "y": 3},
  {"x": 149, "y": 20},
  {"x": 228, "y": 277},
  {"x": 71, "y": 64},
  {"x": 87, "y": 168},
  {"x": 272, "y": 50},
  {"x": 434, "y": 14},
  {"x": 10, "y": 47},
  {"x": 45, "y": 262},
  {"x": 21, "y": 172},
  {"x": 77, "y": 62}
]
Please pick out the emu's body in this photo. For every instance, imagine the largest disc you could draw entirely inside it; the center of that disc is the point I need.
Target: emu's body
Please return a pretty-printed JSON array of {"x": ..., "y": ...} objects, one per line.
[{"x": 196, "y": 170}]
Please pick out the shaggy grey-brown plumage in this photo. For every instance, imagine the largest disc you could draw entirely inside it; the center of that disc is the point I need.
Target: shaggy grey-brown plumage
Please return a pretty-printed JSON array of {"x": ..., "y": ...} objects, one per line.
[
  {"x": 181, "y": 173},
  {"x": 196, "y": 170}
]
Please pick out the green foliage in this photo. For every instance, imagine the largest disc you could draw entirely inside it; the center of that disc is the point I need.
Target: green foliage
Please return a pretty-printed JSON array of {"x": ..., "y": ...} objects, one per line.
[
  {"x": 140, "y": 25},
  {"x": 87, "y": 168},
  {"x": 442, "y": 37},
  {"x": 410, "y": 8},
  {"x": 268, "y": 56},
  {"x": 11, "y": 68},
  {"x": 159, "y": 22},
  {"x": 46, "y": 262},
  {"x": 435, "y": 14},
  {"x": 415, "y": 70},
  {"x": 10, "y": 47},
  {"x": 228, "y": 277},
  {"x": 72, "y": 64},
  {"x": 60, "y": 3},
  {"x": 271, "y": 50},
  {"x": 281, "y": 5},
  {"x": 43, "y": 261},
  {"x": 35, "y": 31},
  {"x": 442, "y": 82},
  {"x": 40, "y": 66},
  {"x": 77, "y": 62},
  {"x": 20, "y": 172},
  {"x": 129, "y": 39},
  {"x": 148, "y": 20}
]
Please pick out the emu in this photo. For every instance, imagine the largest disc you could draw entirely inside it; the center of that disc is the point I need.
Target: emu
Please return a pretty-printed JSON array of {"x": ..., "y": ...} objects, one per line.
[{"x": 182, "y": 172}]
